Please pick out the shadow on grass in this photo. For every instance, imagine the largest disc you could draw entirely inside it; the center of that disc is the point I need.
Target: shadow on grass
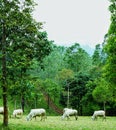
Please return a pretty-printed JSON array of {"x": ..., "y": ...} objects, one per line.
[
  {"x": 2, "y": 127},
  {"x": 20, "y": 128}
]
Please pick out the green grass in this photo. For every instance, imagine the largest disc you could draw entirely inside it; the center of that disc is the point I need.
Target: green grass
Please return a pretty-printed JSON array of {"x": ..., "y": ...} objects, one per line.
[{"x": 55, "y": 123}]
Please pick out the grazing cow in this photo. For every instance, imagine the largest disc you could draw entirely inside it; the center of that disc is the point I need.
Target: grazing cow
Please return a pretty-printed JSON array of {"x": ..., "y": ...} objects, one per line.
[
  {"x": 37, "y": 112},
  {"x": 98, "y": 113},
  {"x": 70, "y": 112},
  {"x": 17, "y": 112},
  {"x": 65, "y": 109}
]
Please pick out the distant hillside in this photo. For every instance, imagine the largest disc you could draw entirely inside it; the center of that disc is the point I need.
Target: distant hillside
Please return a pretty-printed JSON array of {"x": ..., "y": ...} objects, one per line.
[{"x": 88, "y": 49}]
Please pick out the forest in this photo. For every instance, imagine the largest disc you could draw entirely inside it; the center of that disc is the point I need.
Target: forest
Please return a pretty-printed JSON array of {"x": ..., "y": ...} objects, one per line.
[{"x": 36, "y": 73}]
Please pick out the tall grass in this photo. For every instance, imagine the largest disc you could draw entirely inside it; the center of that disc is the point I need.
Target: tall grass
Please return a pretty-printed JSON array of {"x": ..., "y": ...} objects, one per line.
[{"x": 55, "y": 123}]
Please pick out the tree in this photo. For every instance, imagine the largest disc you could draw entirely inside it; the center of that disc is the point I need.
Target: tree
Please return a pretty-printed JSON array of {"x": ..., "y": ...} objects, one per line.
[
  {"x": 109, "y": 70},
  {"x": 77, "y": 59},
  {"x": 21, "y": 41},
  {"x": 52, "y": 89},
  {"x": 78, "y": 91},
  {"x": 65, "y": 75},
  {"x": 102, "y": 92},
  {"x": 52, "y": 63},
  {"x": 97, "y": 62},
  {"x": 4, "y": 75},
  {"x": 96, "y": 58},
  {"x": 89, "y": 104}
]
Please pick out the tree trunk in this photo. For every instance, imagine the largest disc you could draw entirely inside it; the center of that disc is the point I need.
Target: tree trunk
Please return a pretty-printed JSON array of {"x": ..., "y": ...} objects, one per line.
[
  {"x": 15, "y": 104},
  {"x": 48, "y": 101},
  {"x": 104, "y": 103},
  {"x": 68, "y": 97},
  {"x": 4, "y": 81},
  {"x": 23, "y": 103},
  {"x": 36, "y": 98}
]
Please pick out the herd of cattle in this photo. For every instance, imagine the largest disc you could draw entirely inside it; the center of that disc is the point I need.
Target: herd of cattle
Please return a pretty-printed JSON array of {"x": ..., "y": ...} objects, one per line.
[{"x": 42, "y": 113}]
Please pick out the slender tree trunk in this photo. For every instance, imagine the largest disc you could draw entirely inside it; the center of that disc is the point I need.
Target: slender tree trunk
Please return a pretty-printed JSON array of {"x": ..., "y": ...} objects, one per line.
[
  {"x": 23, "y": 103},
  {"x": 68, "y": 97},
  {"x": 4, "y": 76},
  {"x": 104, "y": 103},
  {"x": 15, "y": 104},
  {"x": 48, "y": 101},
  {"x": 36, "y": 98}
]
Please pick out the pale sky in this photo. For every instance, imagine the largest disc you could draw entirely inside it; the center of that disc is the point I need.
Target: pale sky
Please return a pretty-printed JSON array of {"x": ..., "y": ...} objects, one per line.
[{"x": 70, "y": 21}]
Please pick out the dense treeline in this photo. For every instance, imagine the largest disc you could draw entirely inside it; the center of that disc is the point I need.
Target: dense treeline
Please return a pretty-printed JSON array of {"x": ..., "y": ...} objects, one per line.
[{"x": 32, "y": 65}]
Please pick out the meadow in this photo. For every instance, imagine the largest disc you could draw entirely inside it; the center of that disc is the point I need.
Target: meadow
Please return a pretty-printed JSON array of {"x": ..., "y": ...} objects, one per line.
[{"x": 55, "y": 123}]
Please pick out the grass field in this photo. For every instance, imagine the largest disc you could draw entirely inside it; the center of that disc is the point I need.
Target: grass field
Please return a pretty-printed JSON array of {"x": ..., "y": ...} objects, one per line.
[{"x": 55, "y": 123}]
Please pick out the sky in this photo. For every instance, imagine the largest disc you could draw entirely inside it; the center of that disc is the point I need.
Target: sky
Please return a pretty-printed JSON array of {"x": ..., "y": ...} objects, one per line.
[{"x": 74, "y": 21}]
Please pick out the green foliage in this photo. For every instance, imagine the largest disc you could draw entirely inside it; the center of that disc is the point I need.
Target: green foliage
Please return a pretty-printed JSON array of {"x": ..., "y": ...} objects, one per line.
[
  {"x": 109, "y": 70},
  {"x": 89, "y": 107},
  {"x": 52, "y": 88},
  {"x": 23, "y": 38},
  {"x": 98, "y": 61},
  {"x": 96, "y": 58},
  {"x": 20, "y": 42},
  {"x": 52, "y": 63},
  {"x": 77, "y": 59},
  {"x": 102, "y": 93},
  {"x": 88, "y": 103},
  {"x": 65, "y": 74},
  {"x": 78, "y": 88}
]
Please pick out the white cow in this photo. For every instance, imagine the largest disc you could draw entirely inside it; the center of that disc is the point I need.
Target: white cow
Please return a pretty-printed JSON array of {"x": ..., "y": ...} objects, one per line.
[
  {"x": 98, "y": 113},
  {"x": 37, "y": 112},
  {"x": 17, "y": 112},
  {"x": 65, "y": 109},
  {"x": 70, "y": 112}
]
